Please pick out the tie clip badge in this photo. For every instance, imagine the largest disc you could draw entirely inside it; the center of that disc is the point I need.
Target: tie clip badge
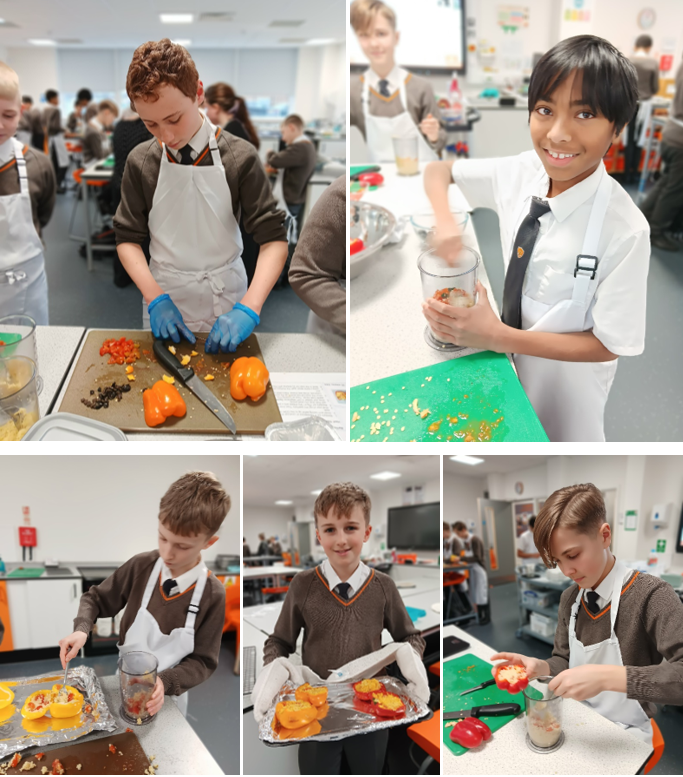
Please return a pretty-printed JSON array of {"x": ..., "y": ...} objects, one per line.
[{"x": 520, "y": 252}]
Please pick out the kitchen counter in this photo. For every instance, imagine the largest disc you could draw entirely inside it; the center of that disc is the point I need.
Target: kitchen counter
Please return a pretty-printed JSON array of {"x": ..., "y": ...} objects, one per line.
[
  {"x": 63, "y": 572},
  {"x": 77, "y": 570},
  {"x": 56, "y": 347},
  {"x": 387, "y": 325},
  {"x": 593, "y": 744},
  {"x": 170, "y": 737}
]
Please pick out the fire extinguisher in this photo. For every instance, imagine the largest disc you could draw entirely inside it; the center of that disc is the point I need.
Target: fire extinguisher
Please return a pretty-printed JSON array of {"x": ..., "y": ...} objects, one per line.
[{"x": 28, "y": 539}]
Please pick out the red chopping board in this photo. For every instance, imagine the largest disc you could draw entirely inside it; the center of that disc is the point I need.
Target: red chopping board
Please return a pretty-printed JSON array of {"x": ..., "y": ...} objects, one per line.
[
  {"x": 93, "y": 756},
  {"x": 93, "y": 370}
]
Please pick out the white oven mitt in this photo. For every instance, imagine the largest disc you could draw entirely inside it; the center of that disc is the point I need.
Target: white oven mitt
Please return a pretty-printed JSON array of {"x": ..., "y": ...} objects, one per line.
[
  {"x": 272, "y": 677},
  {"x": 408, "y": 661}
]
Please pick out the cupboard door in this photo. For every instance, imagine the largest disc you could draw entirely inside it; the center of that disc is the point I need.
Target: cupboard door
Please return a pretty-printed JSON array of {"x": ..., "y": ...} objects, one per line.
[{"x": 52, "y": 607}]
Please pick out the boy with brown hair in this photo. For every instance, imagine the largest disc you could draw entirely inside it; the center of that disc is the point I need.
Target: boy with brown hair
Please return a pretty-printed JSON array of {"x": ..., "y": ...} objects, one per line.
[
  {"x": 185, "y": 190},
  {"x": 342, "y": 606},
  {"x": 96, "y": 143},
  {"x": 616, "y": 626},
  {"x": 175, "y": 607},
  {"x": 474, "y": 553}
]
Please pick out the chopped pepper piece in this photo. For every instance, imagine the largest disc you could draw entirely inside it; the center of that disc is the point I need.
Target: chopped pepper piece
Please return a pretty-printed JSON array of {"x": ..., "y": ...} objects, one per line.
[
  {"x": 57, "y": 767},
  {"x": 66, "y": 701},
  {"x": 15, "y": 761},
  {"x": 161, "y": 402},
  {"x": 364, "y": 689},
  {"x": 185, "y": 360},
  {"x": 209, "y": 377},
  {"x": 356, "y": 246},
  {"x": 295, "y": 714},
  {"x": 169, "y": 379},
  {"x": 248, "y": 378},
  {"x": 511, "y": 678},
  {"x": 317, "y": 695}
]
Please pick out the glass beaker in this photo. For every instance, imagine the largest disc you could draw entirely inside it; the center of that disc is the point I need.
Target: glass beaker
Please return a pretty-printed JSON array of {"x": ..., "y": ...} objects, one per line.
[
  {"x": 450, "y": 283},
  {"x": 137, "y": 677},
  {"x": 18, "y": 337},
  {"x": 18, "y": 397},
  {"x": 424, "y": 224},
  {"x": 543, "y": 716},
  {"x": 405, "y": 151}
]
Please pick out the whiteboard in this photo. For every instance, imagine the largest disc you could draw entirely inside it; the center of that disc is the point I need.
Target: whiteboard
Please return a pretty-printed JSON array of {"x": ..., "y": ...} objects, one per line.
[{"x": 432, "y": 35}]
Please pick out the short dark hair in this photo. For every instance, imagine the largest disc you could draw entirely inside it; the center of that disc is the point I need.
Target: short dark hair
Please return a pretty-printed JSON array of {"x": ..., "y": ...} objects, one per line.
[
  {"x": 532, "y": 521},
  {"x": 610, "y": 83},
  {"x": 459, "y": 526},
  {"x": 341, "y": 498},
  {"x": 50, "y": 94},
  {"x": 296, "y": 120},
  {"x": 84, "y": 94},
  {"x": 26, "y": 98},
  {"x": 644, "y": 42}
]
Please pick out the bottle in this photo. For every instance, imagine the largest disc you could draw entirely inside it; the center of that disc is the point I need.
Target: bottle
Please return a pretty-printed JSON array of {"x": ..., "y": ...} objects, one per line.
[{"x": 455, "y": 99}]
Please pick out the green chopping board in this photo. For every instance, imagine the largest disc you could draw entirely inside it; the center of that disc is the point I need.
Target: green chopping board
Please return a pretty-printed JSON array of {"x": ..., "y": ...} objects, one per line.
[
  {"x": 355, "y": 169},
  {"x": 465, "y": 672},
  {"x": 26, "y": 572},
  {"x": 476, "y": 398}
]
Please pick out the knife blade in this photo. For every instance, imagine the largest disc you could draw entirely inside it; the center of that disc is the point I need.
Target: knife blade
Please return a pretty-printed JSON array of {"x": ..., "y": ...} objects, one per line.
[
  {"x": 196, "y": 386},
  {"x": 478, "y": 687},
  {"x": 486, "y": 710}
]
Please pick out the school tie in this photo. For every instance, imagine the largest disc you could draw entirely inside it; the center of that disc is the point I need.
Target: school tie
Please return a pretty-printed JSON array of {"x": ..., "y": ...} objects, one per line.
[
  {"x": 384, "y": 88},
  {"x": 592, "y": 599},
  {"x": 186, "y": 155},
  {"x": 343, "y": 590},
  {"x": 521, "y": 253},
  {"x": 168, "y": 586}
]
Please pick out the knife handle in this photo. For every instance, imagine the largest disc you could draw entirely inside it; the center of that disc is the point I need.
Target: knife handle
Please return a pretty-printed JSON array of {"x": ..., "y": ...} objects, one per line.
[
  {"x": 496, "y": 710},
  {"x": 169, "y": 362}
]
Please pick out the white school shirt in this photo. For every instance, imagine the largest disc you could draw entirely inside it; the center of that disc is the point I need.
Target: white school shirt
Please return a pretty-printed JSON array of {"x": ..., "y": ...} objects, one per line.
[
  {"x": 526, "y": 542},
  {"x": 395, "y": 78},
  {"x": 185, "y": 580},
  {"x": 604, "y": 590},
  {"x": 355, "y": 581},
  {"x": 6, "y": 151},
  {"x": 617, "y": 312},
  {"x": 198, "y": 142}
]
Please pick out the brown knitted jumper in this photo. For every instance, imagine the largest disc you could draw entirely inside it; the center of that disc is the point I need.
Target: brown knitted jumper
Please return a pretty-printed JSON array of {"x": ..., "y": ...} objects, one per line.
[
  {"x": 335, "y": 631},
  {"x": 649, "y": 628}
]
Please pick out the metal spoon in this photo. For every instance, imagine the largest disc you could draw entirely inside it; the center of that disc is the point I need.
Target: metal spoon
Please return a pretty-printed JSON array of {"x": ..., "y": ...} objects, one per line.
[{"x": 66, "y": 669}]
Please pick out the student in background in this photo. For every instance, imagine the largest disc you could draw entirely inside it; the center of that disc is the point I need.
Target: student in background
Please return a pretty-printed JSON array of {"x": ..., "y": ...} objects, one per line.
[
  {"x": 275, "y": 547},
  {"x": 263, "y": 547},
  {"x": 386, "y": 100},
  {"x": 246, "y": 550},
  {"x": 24, "y": 128},
  {"x": 447, "y": 546},
  {"x": 526, "y": 547},
  {"x": 76, "y": 122},
  {"x": 27, "y": 198},
  {"x": 54, "y": 144},
  {"x": 96, "y": 141},
  {"x": 318, "y": 270},
  {"x": 474, "y": 555},
  {"x": 647, "y": 69}
]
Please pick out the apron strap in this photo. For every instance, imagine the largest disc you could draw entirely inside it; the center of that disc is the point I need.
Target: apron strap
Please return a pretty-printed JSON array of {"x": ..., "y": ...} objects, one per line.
[
  {"x": 149, "y": 588},
  {"x": 21, "y": 167},
  {"x": 193, "y": 609}
]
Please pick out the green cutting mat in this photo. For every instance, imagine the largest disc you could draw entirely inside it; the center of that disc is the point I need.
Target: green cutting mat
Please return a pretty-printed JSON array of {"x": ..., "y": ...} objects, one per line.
[
  {"x": 465, "y": 672},
  {"x": 476, "y": 398},
  {"x": 9, "y": 341},
  {"x": 355, "y": 169},
  {"x": 26, "y": 572}
]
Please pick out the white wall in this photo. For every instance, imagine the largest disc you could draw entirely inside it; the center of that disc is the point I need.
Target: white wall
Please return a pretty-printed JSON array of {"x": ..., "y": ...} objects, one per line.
[
  {"x": 272, "y": 521},
  {"x": 460, "y": 494},
  {"x": 663, "y": 483},
  {"x": 321, "y": 82},
  {"x": 102, "y": 508},
  {"x": 36, "y": 68}
]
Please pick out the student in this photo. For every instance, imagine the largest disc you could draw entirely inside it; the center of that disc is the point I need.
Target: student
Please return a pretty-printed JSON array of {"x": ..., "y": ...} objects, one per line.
[
  {"x": 263, "y": 546},
  {"x": 318, "y": 270},
  {"x": 577, "y": 246},
  {"x": 664, "y": 202},
  {"x": 474, "y": 554},
  {"x": 447, "y": 547},
  {"x": 618, "y": 642},
  {"x": 526, "y": 548},
  {"x": 275, "y": 547},
  {"x": 76, "y": 122},
  {"x": 54, "y": 144},
  {"x": 294, "y": 165},
  {"x": 27, "y": 198},
  {"x": 24, "y": 128},
  {"x": 647, "y": 71},
  {"x": 185, "y": 190},
  {"x": 342, "y": 607},
  {"x": 386, "y": 100},
  {"x": 246, "y": 550},
  {"x": 96, "y": 142},
  {"x": 174, "y": 607}
]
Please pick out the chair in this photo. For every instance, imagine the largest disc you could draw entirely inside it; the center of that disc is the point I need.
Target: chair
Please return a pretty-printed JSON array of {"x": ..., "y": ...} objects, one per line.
[
  {"x": 436, "y": 668},
  {"x": 427, "y": 735},
  {"x": 232, "y": 617},
  {"x": 296, "y": 558},
  {"x": 275, "y": 590},
  {"x": 451, "y": 579},
  {"x": 78, "y": 177},
  {"x": 657, "y": 745},
  {"x": 407, "y": 558},
  {"x": 287, "y": 559}
]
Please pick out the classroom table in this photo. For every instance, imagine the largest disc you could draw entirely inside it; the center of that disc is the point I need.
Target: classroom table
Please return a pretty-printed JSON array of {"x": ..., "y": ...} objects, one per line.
[
  {"x": 273, "y": 570},
  {"x": 593, "y": 744},
  {"x": 261, "y": 559},
  {"x": 56, "y": 347},
  {"x": 94, "y": 172}
]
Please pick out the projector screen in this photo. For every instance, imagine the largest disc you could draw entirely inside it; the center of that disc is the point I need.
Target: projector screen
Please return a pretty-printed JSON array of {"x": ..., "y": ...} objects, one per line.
[{"x": 432, "y": 35}]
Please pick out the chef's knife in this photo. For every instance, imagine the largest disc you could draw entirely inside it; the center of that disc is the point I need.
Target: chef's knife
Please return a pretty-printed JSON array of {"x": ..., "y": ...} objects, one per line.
[
  {"x": 487, "y": 710},
  {"x": 478, "y": 687},
  {"x": 196, "y": 386}
]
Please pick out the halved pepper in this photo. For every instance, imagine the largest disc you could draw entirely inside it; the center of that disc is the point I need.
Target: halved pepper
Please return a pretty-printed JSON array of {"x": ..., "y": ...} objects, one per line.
[
  {"x": 364, "y": 689},
  {"x": 66, "y": 701},
  {"x": 248, "y": 378},
  {"x": 317, "y": 695},
  {"x": 295, "y": 714},
  {"x": 302, "y": 732},
  {"x": 388, "y": 705},
  {"x": 37, "y": 704},
  {"x": 466, "y": 734},
  {"x": 481, "y": 726},
  {"x": 511, "y": 677},
  {"x": 162, "y": 401}
]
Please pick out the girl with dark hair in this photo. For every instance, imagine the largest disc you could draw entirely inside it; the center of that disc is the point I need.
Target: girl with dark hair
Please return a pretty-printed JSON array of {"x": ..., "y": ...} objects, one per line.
[{"x": 225, "y": 109}]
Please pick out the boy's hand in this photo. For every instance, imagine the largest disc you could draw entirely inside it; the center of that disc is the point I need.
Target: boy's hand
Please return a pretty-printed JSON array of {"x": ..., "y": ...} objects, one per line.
[
  {"x": 584, "y": 682},
  {"x": 156, "y": 702},
  {"x": 534, "y": 667},
  {"x": 475, "y": 327},
  {"x": 429, "y": 127},
  {"x": 70, "y": 646},
  {"x": 447, "y": 241}
]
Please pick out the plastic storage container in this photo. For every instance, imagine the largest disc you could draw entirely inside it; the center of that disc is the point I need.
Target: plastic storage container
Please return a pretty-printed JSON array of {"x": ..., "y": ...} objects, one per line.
[
  {"x": 539, "y": 598},
  {"x": 542, "y": 624}
]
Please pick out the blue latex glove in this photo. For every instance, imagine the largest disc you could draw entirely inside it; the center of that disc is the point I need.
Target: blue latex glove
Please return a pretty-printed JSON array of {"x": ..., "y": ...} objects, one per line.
[
  {"x": 231, "y": 329},
  {"x": 166, "y": 320}
]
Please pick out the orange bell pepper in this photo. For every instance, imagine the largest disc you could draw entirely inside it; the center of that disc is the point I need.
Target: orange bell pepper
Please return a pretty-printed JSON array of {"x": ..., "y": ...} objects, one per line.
[
  {"x": 302, "y": 732},
  {"x": 295, "y": 714},
  {"x": 161, "y": 401},
  {"x": 248, "y": 378},
  {"x": 66, "y": 701},
  {"x": 317, "y": 695}
]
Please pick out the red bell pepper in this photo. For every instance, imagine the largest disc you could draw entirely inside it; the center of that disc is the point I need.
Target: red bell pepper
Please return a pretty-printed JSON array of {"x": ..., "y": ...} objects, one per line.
[
  {"x": 364, "y": 689},
  {"x": 356, "y": 246},
  {"x": 481, "y": 726},
  {"x": 466, "y": 734},
  {"x": 511, "y": 678},
  {"x": 388, "y": 705}
]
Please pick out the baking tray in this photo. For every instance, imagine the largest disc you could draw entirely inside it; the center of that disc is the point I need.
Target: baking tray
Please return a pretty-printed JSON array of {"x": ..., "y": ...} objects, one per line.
[
  {"x": 91, "y": 370},
  {"x": 344, "y": 719},
  {"x": 16, "y": 733}
]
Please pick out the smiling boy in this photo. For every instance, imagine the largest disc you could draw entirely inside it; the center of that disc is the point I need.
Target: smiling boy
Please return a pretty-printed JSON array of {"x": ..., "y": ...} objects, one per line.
[
  {"x": 576, "y": 246},
  {"x": 618, "y": 642},
  {"x": 174, "y": 607},
  {"x": 185, "y": 190},
  {"x": 342, "y": 606}
]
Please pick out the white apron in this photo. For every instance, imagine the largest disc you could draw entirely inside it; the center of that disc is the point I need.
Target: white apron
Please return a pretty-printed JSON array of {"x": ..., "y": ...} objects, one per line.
[
  {"x": 279, "y": 194},
  {"x": 169, "y": 649},
  {"x": 626, "y": 713},
  {"x": 479, "y": 580},
  {"x": 196, "y": 245},
  {"x": 58, "y": 142},
  {"x": 23, "y": 282},
  {"x": 379, "y": 130},
  {"x": 569, "y": 397}
]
